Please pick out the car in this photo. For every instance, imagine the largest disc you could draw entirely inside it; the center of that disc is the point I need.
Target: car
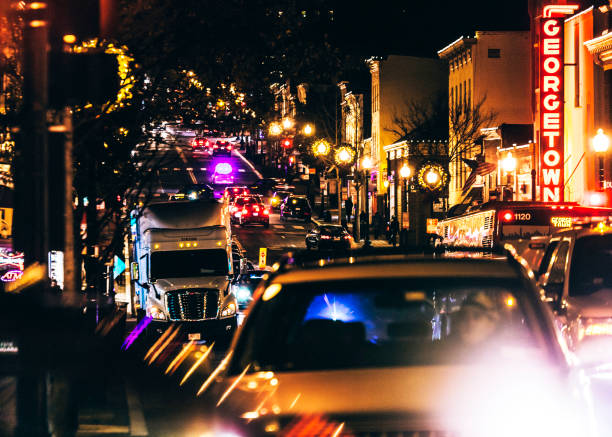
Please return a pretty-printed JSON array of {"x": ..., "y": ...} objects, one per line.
[
  {"x": 297, "y": 207},
  {"x": 222, "y": 148},
  {"x": 398, "y": 345},
  {"x": 248, "y": 210},
  {"x": 328, "y": 237},
  {"x": 278, "y": 198},
  {"x": 194, "y": 192},
  {"x": 231, "y": 192},
  {"x": 223, "y": 174},
  {"x": 576, "y": 276},
  {"x": 200, "y": 144},
  {"x": 246, "y": 284}
]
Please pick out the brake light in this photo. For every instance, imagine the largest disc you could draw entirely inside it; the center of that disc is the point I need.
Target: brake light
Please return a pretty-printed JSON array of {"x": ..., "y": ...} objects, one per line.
[
  {"x": 507, "y": 216},
  {"x": 266, "y": 212},
  {"x": 245, "y": 192},
  {"x": 347, "y": 237},
  {"x": 244, "y": 211},
  {"x": 325, "y": 237}
]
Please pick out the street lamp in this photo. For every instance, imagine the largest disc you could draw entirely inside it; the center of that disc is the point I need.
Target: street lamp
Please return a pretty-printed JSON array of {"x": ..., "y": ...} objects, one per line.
[
  {"x": 601, "y": 144},
  {"x": 321, "y": 148},
  {"x": 432, "y": 177},
  {"x": 287, "y": 123},
  {"x": 508, "y": 165},
  {"x": 367, "y": 164},
  {"x": 308, "y": 130},
  {"x": 405, "y": 171},
  {"x": 344, "y": 155},
  {"x": 275, "y": 129}
]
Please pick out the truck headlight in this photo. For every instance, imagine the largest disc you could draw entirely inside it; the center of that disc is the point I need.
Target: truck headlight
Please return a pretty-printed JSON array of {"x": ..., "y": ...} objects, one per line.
[
  {"x": 243, "y": 294},
  {"x": 229, "y": 310},
  {"x": 157, "y": 314}
]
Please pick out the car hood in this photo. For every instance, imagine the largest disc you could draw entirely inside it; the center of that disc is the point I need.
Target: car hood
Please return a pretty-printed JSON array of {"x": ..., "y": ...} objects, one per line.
[
  {"x": 170, "y": 284},
  {"x": 598, "y": 304},
  {"x": 428, "y": 397}
]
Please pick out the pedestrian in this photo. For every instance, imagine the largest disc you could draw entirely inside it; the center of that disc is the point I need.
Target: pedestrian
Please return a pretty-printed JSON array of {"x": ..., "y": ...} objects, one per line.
[
  {"x": 363, "y": 224},
  {"x": 377, "y": 224},
  {"x": 394, "y": 229},
  {"x": 348, "y": 206}
]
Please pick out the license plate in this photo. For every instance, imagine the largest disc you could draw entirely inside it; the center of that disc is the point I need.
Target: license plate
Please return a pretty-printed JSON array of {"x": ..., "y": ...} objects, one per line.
[
  {"x": 255, "y": 214},
  {"x": 195, "y": 336}
]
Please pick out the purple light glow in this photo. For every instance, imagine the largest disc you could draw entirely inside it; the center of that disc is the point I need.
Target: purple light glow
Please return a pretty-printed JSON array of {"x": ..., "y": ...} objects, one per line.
[
  {"x": 223, "y": 168},
  {"x": 136, "y": 332}
]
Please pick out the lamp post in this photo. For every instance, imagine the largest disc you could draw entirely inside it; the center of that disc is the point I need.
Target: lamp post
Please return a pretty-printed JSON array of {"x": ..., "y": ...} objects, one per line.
[
  {"x": 601, "y": 144},
  {"x": 367, "y": 164},
  {"x": 405, "y": 173}
]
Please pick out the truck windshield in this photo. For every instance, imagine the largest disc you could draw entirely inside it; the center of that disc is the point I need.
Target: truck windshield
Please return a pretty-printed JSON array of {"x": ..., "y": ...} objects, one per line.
[{"x": 188, "y": 263}]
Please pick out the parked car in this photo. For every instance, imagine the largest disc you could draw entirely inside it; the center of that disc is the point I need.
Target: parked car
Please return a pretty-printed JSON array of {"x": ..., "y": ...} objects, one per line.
[
  {"x": 398, "y": 345},
  {"x": 328, "y": 237},
  {"x": 296, "y": 207}
]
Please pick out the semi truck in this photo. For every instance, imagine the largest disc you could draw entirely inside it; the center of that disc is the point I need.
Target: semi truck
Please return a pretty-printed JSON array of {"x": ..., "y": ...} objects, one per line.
[{"x": 182, "y": 267}]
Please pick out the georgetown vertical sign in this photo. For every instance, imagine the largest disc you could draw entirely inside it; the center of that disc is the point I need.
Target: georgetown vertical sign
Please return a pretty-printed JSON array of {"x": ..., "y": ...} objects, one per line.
[{"x": 551, "y": 101}]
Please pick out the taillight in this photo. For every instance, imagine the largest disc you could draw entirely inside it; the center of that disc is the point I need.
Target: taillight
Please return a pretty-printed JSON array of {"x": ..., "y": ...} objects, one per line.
[
  {"x": 245, "y": 192},
  {"x": 266, "y": 212},
  {"x": 194, "y": 143},
  {"x": 507, "y": 216},
  {"x": 229, "y": 148},
  {"x": 325, "y": 237},
  {"x": 347, "y": 237},
  {"x": 244, "y": 211}
]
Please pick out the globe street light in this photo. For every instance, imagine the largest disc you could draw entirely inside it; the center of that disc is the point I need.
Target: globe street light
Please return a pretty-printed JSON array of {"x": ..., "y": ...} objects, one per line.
[
  {"x": 344, "y": 155},
  {"x": 308, "y": 130},
  {"x": 321, "y": 148},
  {"x": 287, "y": 123},
  {"x": 509, "y": 163},
  {"x": 405, "y": 171},
  {"x": 275, "y": 129},
  {"x": 601, "y": 144},
  {"x": 432, "y": 177}
]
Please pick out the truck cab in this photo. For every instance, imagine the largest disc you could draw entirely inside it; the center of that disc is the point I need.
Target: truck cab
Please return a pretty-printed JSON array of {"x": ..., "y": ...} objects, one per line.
[{"x": 183, "y": 255}]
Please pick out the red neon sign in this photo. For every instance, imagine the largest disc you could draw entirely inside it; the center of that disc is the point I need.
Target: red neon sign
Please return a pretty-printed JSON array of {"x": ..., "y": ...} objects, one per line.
[{"x": 551, "y": 102}]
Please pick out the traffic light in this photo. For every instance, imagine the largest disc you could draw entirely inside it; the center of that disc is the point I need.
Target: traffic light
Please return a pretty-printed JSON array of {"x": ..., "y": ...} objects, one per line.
[{"x": 287, "y": 143}]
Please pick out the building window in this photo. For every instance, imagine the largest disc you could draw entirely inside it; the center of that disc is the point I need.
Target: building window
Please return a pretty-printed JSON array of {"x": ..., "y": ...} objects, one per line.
[{"x": 494, "y": 53}]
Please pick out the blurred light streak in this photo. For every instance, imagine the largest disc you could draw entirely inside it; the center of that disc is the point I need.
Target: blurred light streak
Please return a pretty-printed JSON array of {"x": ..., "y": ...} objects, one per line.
[
  {"x": 197, "y": 364},
  {"x": 295, "y": 401},
  {"x": 140, "y": 327},
  {"x": 233, "y": 386},
  {"x": 164, "y": 344},
  {"x": 159, "y": 341},
  {"x": 176, "y": 362},
  {"x": 338, "y": 430},
  {"x": 214, "y": 374}
]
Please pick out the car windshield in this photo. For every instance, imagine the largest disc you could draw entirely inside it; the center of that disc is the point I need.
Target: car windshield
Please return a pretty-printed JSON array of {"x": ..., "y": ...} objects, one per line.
[
  {"x": 383, "y": 323},
  {"x": 591, "y": 269},
  {"x": 189, "y": 263},
  {"x": 331, "y": 230}
]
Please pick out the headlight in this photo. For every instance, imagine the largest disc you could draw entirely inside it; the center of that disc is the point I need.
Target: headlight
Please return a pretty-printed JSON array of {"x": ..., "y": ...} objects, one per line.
[
  {"x": 157, "y": 314},
  {"x": 242, "y": 293},
  {"x": 229, "y": 310}
]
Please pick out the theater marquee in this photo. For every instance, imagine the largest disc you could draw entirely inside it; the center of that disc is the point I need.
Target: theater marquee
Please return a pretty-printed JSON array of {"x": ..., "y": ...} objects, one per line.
[{"x": 551, "y": 101}]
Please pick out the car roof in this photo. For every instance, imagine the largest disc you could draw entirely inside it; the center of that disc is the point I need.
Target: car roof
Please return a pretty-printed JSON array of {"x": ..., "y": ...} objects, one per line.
[{"x": 414, "y": 266}]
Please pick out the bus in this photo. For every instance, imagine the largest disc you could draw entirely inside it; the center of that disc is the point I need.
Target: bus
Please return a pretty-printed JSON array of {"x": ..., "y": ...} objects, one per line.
[{"x": 495, "y": 223}]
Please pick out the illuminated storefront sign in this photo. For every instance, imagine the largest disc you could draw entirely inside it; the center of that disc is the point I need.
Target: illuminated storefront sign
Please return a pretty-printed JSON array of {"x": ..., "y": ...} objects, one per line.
[
  {"x": 11, "y": 276},
  {"x": 551, "y": 101}
]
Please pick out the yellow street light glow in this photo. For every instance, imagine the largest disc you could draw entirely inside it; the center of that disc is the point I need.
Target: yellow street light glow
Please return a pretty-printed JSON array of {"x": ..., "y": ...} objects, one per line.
[
  {"x": 69, "y": 39},
  {"x": 308, "y": 130},
  {"x": 37, "y": 5},
  {"x": 344, "y": 155},
  {"x": 156, "y": 246},
  {"x": 432, "y": 177},
  {"x": 321, "y": 148},
  {"x": 386, "y": 183},
  {"x": 367, "y": 163},
  {"x": 601, "y": 142},
  {"x": 405, "y": 171},
  {"x": 181, "y": 245},
  {"x": 287, "y": 123},
  {"x": 509, "y": 163},
  {"x": 275, "y": 129},
  {"x": 38, "y": 23},
  {"x": 271, "y": 291}
]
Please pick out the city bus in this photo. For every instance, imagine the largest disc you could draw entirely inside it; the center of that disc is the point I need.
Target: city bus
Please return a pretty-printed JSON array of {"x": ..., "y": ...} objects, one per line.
[{"x": 495, "y": 223}]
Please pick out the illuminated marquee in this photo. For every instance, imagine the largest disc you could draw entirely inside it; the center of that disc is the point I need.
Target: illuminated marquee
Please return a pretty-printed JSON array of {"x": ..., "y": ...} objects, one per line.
[{"x": 551, "y": 102}]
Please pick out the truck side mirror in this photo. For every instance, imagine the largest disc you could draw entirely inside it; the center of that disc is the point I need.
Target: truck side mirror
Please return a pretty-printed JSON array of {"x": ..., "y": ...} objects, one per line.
[{"x": 135, "y": 271}]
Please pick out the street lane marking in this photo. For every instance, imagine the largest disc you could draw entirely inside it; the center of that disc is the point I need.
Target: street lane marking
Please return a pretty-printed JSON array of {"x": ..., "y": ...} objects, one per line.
[
  {"x": 298, "y": 227},
  {"x": 176, "y": 169},
  {"x": 241, "y": 170},
  {"x": 189, "y": 170},
  {"x": 278, "y": 226},
  {"x": 203, "y": 168},
  {"x": 249, "y": 164},
  {"x": 138, "y": 425}
]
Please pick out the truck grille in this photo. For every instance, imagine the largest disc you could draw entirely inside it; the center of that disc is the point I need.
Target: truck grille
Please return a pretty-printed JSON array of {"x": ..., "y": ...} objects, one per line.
[{"x": 192, "y": 305}]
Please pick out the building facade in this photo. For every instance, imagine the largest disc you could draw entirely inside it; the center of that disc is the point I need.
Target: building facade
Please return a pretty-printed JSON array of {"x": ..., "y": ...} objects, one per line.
[
  {"x": 396, "y": 82},
  {"x": 493, "y": 68}
]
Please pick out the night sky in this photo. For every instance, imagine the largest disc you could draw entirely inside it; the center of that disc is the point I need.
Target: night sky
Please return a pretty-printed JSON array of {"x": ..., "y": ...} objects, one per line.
[{"x": 420, "y": 27}]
